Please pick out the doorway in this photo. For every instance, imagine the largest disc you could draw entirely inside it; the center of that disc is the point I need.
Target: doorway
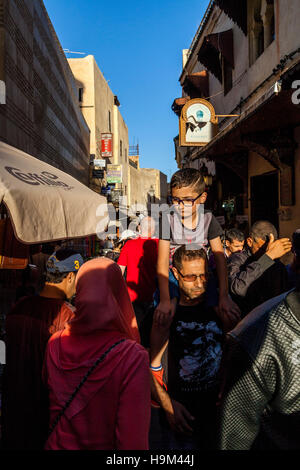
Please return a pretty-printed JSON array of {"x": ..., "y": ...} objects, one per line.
[{"x": 265, "y": 198}]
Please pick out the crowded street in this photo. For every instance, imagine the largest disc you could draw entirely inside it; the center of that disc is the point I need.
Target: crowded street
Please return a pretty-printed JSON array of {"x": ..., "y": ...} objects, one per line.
[{"x": 150, "y": 244}]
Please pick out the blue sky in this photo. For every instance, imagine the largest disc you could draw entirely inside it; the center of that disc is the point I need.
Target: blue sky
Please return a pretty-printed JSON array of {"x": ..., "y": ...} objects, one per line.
[{"x": 138, "y": 47}]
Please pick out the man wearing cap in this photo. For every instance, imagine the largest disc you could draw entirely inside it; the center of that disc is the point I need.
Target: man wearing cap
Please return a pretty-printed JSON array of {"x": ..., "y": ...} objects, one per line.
[
  {"x": 28, "y": 327},
  {"x": 293, "y": 269}
]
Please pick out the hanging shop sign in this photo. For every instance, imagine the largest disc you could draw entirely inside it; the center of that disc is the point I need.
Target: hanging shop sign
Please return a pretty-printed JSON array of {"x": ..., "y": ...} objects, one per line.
[
  {"x": 114, "y": 174},
  {"x": 98, "y": 174},
  {"x": 198, "y": 123},
  {"x": 98, "y": 163},
  {"x": 106, "y": 145}
]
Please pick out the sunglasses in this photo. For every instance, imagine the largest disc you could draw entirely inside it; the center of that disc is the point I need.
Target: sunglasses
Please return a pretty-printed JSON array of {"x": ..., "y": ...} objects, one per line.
[{"x": 193, "y": 277}]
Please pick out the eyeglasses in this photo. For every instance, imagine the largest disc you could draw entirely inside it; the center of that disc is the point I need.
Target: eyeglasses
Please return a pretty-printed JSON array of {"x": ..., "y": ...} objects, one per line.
[
  {"x": 186, "y": 202},
  {"x": 193, "y": 277}
]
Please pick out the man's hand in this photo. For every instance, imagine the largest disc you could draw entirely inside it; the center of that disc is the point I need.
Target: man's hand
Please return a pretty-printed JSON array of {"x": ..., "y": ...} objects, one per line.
[
  {"x": 228, "y": 312},
  {"x": 180, "y": 419},
  {"x": 276, "y": 249}
]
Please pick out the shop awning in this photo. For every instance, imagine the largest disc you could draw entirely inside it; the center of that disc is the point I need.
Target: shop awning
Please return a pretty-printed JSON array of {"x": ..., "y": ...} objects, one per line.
[
  {"x": 261, "y": 117},
  {"x": 236, "y": 10},
  {"x": 45, "y": 203},
  {"x": 213, "y": 46},
  {"x": 196, "y": 84}
]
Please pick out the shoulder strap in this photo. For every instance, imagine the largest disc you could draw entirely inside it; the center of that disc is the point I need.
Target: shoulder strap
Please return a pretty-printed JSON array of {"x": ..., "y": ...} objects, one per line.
[{"x": 84, "y": 379}]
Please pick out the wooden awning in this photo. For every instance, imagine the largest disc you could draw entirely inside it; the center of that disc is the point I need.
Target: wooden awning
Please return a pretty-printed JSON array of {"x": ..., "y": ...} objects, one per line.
[
  {"x": 236, "y": 10},
  {"x": 196, "y": 84},
  {"x": 213, "y": 46}
]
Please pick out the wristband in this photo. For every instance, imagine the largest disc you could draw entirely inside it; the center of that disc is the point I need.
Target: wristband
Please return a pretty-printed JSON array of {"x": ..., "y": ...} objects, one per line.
[{"x": 156, "y": 369}]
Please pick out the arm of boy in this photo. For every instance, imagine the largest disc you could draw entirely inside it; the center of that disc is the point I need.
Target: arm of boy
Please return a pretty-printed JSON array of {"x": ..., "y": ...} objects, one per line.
[
  {"x": 164, "y": 307},
  {"x": 228, "y": 310}
]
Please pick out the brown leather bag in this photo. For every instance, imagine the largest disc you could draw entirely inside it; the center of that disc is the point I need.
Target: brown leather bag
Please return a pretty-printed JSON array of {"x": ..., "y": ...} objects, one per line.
[{"x": 13, "y": 254}]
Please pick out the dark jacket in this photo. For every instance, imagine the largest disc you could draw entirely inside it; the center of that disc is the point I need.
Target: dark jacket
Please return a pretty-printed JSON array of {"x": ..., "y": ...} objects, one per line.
[
  {"x": 253, "y": 281},
  {"x": 260, "y": 406}
]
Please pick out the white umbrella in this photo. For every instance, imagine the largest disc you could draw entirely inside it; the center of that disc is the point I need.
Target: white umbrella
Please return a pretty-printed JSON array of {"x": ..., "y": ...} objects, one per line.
[{"x": 45, "y": 203}]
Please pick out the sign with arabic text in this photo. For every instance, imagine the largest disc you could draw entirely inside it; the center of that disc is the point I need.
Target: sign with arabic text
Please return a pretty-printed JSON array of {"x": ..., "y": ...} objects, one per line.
[
  {"x": 114, "y": 174},
  {"x": 106, "y": 145}
]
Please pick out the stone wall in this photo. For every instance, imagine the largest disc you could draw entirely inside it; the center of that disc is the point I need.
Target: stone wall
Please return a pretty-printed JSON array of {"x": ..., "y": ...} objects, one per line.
[
  {"x": 144, "y": 179},
  {"x": 41, "y": 115}
]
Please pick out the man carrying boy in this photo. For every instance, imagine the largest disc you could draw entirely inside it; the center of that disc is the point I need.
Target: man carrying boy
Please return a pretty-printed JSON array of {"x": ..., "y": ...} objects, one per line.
[
  {"x": 194, "y": 338},
  {"x": 192, "y": 226}
]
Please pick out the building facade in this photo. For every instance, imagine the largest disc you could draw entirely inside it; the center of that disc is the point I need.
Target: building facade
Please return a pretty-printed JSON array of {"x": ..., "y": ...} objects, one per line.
[
  {"x": 100, "y": 108},
  {"x": 245, "y": 60},
  {"x": 40, "y": 115},
  {"x": 146, "y": 186}
]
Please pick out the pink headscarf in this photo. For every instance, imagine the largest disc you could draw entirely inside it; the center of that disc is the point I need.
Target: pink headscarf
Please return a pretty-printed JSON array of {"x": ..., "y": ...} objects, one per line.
[
  {"x": 104, "y": 315},
  {"x": 102, "y": 300}
]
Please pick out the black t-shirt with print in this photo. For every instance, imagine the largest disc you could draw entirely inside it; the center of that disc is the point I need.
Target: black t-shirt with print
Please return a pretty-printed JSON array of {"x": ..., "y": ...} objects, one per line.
[{"x": 194, "y": 356}]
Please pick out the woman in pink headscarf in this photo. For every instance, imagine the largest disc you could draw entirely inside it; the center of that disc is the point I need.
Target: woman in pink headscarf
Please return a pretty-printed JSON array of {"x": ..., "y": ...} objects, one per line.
[{"x": 112, "y": 409}]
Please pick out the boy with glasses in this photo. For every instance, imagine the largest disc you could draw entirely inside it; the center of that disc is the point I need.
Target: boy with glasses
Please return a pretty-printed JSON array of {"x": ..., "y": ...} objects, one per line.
[{"x": 190, "y": 225}]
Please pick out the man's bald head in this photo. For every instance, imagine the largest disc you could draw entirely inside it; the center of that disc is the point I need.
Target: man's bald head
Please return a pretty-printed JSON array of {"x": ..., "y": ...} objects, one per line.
[
  {"x": 259, "y": 235},
  {"x": 262, "y": 229}
]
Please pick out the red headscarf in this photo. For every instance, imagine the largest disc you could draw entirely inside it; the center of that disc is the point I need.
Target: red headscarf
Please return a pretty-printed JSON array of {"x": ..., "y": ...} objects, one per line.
[{"x": 104, "y": 315}]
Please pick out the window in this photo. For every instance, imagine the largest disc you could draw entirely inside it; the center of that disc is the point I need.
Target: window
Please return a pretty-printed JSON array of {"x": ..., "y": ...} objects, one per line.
[
  {"x": 126, "y": 154},
  {"x": 121, "y": 150},
  {"x": 261, "y": 27},
  {"x": 227, "y": 75},
  {"x": 272, "y": 28},
  {"x": 268, "y": 16},
  {"x": 109, "y": 121},
  {"x": 80, "y": 95},
  {"x": 260, "y": 39}
]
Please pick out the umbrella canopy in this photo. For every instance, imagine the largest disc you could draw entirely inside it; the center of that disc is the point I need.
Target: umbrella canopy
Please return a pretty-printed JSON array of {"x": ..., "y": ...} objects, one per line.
[{"x": 45, "y": 203}]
